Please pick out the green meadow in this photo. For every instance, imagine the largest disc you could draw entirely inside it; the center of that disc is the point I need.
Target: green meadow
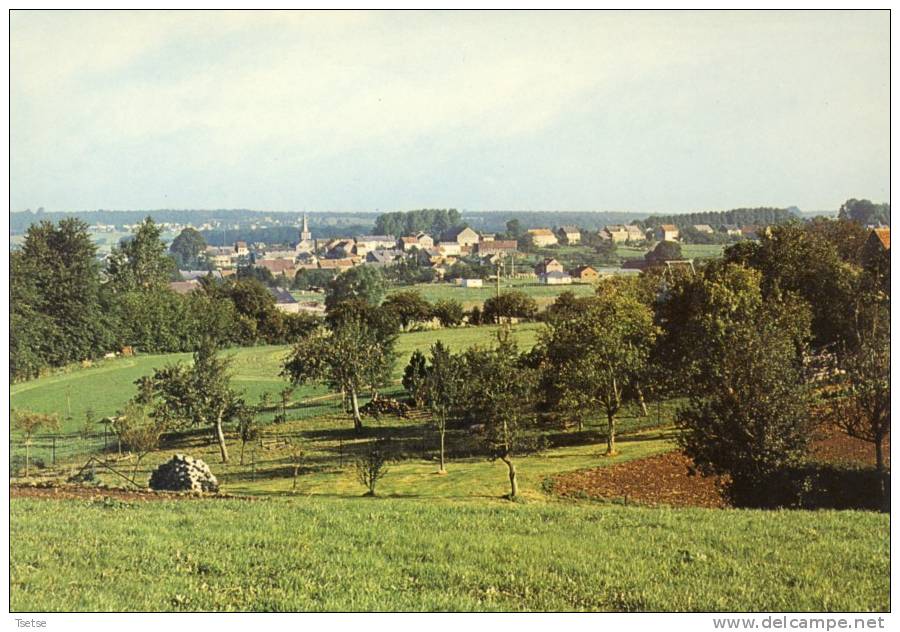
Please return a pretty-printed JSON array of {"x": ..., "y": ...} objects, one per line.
[
  {"x": 107, "y": 385},
  {"x": 388, "y": 554}
]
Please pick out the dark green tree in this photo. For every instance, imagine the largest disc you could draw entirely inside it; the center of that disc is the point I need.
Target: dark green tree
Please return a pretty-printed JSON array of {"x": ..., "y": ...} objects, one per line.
[
  {"x": 140, "y": 263},
  {"x": 362, "y": 282},
  {"x": 187, "y": 247}
]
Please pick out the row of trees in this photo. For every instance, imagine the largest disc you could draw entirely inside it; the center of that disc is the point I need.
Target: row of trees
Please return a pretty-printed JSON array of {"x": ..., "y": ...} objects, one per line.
[{"x": 431, "y": 221}]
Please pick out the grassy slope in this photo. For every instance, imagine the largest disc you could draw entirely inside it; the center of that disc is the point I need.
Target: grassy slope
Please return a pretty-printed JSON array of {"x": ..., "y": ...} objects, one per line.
[
  {"x": 105, "y": 387},
  {"x": 402, "y": 554}
]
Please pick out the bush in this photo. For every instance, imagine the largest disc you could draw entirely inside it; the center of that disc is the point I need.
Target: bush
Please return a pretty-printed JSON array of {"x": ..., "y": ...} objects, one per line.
[
  {"x": 449, "y": 312},
  {"x": 514, "y": 304}
]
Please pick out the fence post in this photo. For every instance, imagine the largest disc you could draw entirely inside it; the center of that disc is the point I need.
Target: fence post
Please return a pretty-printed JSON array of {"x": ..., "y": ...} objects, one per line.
[
  {"x": 53, "y": 450},
  {"x": 341, "y": 449}
]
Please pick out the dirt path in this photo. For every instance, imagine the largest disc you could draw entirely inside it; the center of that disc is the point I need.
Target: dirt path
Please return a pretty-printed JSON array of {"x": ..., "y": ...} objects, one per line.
[{"x": 74, "y": 492}]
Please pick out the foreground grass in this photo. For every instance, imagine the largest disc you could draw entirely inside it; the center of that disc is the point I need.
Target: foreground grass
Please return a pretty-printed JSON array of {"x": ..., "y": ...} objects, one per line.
[{"x": 406, "y": 554}]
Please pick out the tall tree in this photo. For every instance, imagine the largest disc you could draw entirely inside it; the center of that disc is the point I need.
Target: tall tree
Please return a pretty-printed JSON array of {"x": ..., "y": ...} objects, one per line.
[
  {"x": 349, "y": 358},
  {"x": 198, "y": 395},
  {"x": 865, "y": 212},
  {"x": 187, "y": 247},
  {"x": 748, "y": 413},
  {"x": 57, "y": 278},
  {"x": 500, "y": 394},
  {"x": 141, "y": 262},
  {"x": 362, "y": 282},
  {"x": 595, "y": 356},
  {"x": 444, "y": 387}
]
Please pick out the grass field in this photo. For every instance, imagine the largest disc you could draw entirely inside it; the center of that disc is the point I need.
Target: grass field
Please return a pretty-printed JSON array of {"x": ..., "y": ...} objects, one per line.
[
  {"x": 109, "y": 384},
  {"x": 470, "y": 297},
  {"x": 689, "y": 251},
  {"x": 409, "y": 554}
]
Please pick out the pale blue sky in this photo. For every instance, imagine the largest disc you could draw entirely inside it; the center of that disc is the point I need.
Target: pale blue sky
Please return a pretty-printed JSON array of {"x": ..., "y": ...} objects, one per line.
[{"x": 645, "y": 112}]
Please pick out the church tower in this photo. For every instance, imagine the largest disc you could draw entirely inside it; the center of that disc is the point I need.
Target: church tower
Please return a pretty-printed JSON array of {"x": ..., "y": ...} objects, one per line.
[{"x": 305, "y": 235}]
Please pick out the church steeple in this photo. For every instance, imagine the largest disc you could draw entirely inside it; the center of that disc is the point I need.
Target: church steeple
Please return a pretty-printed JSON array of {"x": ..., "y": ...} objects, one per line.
[{"x": 305, "y": 235}]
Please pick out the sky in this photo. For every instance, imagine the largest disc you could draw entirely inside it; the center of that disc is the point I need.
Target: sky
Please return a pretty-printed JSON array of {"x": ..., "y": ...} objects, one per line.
[{"x": 362, "y": 111}]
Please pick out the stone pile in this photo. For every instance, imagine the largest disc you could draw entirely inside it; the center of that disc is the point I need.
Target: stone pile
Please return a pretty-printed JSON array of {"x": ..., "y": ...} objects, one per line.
[
  {"x": 384, "y": 406},
  {"x": 184, "y": 473}
]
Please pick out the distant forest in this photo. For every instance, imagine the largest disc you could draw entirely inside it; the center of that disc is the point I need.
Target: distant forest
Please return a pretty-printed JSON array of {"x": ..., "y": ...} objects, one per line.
[{"x": 740, "y": 216}]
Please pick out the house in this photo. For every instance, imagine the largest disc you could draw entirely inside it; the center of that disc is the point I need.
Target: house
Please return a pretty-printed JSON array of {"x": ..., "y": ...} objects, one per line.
[
  {"x": 449, "y": 248},
  {"x": 570, "y": 234},
  {"x": 487, "y": 237},
  {"x": 732, "y": 230},
  {"x": 220, "y": 257},
  {"x": 543, "y": 237},
  {"x": 284, "y": 302},
  {"x": 278, "y": 267},
  {"x": 383, "y": 258},
  {"x": 184, "y": 287},
  {"x": 548, "y": 265},
  {"x": 497, "y": 247},
  {"x": 556, "y": 278},
  {"x": 471, "y": 283},
  {"x": 288, "y": 255},
  {"x": 335, "y": 264},
  {"x": 618, "y": 233},
  {"x": 241, "y": 249},
  {"x": 464, "y": 236},
  {"x": 339, "y": 248},
  {"x": 368, "y": 243},
  {"x": 704, "y": 228},
  {"x": 754, "y": 232},
  {"x": 666, "y": 232},
  {"x": 189, "y": 275},
  {"x": 635, "y": 233},
  {"x": 419, "y": 240},
  {"x": 585, "y": 273},
  {"x": 881, "y": 237}
]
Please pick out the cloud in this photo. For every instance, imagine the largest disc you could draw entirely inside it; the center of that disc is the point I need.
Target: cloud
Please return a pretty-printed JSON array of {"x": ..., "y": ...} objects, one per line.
[{"x": 223, "y": 98}]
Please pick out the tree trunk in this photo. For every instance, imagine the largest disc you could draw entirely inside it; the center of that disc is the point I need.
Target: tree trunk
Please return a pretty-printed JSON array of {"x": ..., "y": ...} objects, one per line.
[
  {"x": 27, "y": 457},
  {"x": 610, "y": 435},
  {"x": 220, "y": 438},
  {"x": 243, "y": 443},
  {"x": 879, "y": 468},
  {"x": 442, "y": 449},
  {"x": 357, "y": 420},
  {"x": 513, "y": 483},
  {"x": 640, "y": 394}
]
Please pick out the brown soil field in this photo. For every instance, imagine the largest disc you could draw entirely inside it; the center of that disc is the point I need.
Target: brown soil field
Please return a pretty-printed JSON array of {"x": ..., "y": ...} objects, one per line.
[{"x": 666, "y": 479}]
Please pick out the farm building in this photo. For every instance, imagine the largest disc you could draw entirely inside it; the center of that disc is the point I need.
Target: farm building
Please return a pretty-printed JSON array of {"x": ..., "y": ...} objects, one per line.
[
  {"x": 704, "y": 228},
  {"x": 556, "y": 278},
  {"x": 635, "y": 233},
  {"x": 548, "y": 265},
  {"x": 471, "y": 283},
  {"x": 618, "y": 233},
  {"x": 284, "y": 302},
  {"x": 585, "y": 273},
  {"x": 543, "y": 237},
  {"x": 497, "y": 247},
  {"x": 465, "y": 236},
  {"x": 570, "y": 234},
  {"x": 666, "y": 232}
]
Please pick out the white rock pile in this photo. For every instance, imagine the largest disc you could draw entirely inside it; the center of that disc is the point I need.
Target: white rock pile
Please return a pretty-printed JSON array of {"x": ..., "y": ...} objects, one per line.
[{"x": 184, "y": 473}]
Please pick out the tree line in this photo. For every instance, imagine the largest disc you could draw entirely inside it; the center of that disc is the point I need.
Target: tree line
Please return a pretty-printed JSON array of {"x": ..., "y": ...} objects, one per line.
[
  {"x": 762, "y": 216},
  {"x": 67, "y": 306}
]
